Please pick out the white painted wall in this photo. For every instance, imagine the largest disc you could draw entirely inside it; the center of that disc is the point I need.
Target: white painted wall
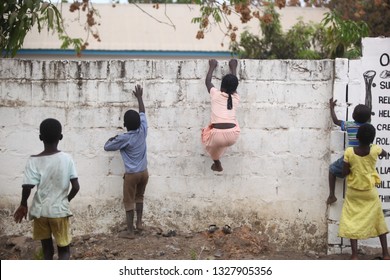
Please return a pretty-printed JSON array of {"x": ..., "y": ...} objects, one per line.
[{"x": 275, "y": 177}]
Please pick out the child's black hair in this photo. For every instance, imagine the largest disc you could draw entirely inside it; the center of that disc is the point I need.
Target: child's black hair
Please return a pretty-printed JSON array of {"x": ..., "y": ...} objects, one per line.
[
  {"x": 229, "y": 85},
  {"x": 132, "y": 120},
  {"x": 366, "y": 134},
  {"x": 361, "y": 113},
  {"x": 50, "y": 131}
]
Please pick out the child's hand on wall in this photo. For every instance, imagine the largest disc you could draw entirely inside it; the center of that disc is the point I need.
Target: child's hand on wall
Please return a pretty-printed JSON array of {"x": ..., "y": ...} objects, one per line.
[
  {"x": 332, "y": 103},
  {"x": 213, "y": 63},
  {"x": 233, "y": 64},
  {"x": 138, "y": 91}
]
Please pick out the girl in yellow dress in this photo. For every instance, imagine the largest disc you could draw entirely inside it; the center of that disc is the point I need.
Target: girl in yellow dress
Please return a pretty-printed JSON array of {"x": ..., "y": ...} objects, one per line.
[{"x": 362, "y": 215}]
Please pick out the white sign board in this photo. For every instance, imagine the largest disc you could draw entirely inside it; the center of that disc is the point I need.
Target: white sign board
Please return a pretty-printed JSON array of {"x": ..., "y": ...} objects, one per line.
[{"x": 376, "y": 74}]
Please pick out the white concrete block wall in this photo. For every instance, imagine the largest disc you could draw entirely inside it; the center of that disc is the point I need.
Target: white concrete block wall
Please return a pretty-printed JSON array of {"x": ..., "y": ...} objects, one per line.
[
  {"x": 337, "y": 144},
  {"x": 349, "y": 90},
  {"x": 274, "y": 179}
]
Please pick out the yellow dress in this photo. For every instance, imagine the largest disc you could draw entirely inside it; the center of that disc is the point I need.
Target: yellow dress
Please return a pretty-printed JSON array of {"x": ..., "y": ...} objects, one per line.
[{"x": 362, "y": 216}]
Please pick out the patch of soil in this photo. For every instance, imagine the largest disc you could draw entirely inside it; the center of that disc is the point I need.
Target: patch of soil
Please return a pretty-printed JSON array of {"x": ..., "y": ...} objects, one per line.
[{"x": 154, "y": 244}]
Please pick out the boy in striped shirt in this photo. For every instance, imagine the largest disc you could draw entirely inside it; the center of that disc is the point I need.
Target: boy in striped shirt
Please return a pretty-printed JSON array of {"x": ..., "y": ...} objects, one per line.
[{"x": 361, "y": 115}]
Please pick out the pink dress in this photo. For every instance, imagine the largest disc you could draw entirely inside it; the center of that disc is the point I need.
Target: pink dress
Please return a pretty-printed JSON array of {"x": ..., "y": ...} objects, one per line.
[{"x": 216, "y": 140}]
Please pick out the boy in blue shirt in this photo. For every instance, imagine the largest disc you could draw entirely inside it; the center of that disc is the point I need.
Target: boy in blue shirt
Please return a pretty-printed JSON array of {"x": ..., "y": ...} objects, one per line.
[
  {"x": 361, "y": 115},
  {"x": 132, "y": 147}
]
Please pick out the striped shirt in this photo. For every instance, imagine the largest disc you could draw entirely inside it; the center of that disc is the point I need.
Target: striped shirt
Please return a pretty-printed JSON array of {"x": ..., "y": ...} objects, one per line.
[{"x": 351, "y": 127}]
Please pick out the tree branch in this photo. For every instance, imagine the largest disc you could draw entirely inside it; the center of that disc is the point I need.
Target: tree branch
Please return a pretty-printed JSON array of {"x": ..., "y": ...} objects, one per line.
[{"x": 159, "y": 21}]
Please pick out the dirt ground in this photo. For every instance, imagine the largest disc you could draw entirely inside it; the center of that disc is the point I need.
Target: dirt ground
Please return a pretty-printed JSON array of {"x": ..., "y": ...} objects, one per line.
[{"x": 154, "y": 244}]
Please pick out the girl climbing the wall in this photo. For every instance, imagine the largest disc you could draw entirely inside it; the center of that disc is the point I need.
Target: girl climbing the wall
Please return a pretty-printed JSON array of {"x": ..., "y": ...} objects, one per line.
[
  {"x": 362, "y": 216},
  {"x": 223, "y": 130}
]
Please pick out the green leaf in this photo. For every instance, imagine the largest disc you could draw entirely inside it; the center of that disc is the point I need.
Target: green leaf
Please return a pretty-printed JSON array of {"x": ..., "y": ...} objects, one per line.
[
  {"x": 217, "y": 15},
  {"x": 196, "y": 20},
  {"x": 12, "y": 18},
  {"x": 29, "y": 4},
  {"x": 50, "y": 15},
  {"x": 44, "y": 6},
  {"x": 34, "y": 17}
]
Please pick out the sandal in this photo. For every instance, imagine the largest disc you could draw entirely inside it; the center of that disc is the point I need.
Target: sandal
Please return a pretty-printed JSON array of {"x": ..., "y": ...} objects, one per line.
[
  {"x": 212, "y": 228},
  {"x": 227, "y": 229}
]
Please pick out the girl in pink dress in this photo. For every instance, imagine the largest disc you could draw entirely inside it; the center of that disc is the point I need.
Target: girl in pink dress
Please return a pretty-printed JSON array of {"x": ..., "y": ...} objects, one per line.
[{"x": 223, "y": 130}]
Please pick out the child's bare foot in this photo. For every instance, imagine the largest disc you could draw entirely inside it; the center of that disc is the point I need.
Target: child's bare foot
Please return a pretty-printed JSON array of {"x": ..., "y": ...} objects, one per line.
[
  {"x": 126, "y": 234},
  {"x": 139, "y": 227},
  {"x": 331, "y": 199},
  {"x": 353, "y": 257},
  {"x": 217, "y": 166},
  {"x": 386, "y": 258}
]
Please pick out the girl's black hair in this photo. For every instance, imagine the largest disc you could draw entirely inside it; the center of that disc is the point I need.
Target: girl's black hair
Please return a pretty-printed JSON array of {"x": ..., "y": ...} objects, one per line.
[
  {"x": 366, "y": 134},
  {"x": 229, "y": 85},
  {"x": 50, "y": 131}
]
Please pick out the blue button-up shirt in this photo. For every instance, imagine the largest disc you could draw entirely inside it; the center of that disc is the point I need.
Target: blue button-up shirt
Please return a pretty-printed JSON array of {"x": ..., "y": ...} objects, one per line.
[{"x": 132, "y": 146}]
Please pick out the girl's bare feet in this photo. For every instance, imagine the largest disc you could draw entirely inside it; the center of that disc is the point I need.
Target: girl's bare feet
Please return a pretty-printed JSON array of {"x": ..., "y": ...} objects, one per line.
[
  {"x": 331, "y": 199},
  {"x": 216, "y": 166}
]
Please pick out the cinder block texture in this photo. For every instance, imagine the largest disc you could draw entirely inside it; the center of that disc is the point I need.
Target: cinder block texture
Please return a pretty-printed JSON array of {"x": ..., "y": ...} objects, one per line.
[{"x": 274, "y": 178}]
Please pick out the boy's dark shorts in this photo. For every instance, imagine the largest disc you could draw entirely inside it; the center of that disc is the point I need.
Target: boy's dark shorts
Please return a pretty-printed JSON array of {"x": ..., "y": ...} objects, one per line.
[
  {"x": 134, "y": 185},
  {"x": 336, "y": 168}
]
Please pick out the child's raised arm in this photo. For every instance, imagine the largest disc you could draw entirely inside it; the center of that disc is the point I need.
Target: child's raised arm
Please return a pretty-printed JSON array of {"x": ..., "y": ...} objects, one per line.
[
  {"x": 332, "y": 104},
  {"x": 138, "y": 94},
  {"x": 212, "y": 65}
]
